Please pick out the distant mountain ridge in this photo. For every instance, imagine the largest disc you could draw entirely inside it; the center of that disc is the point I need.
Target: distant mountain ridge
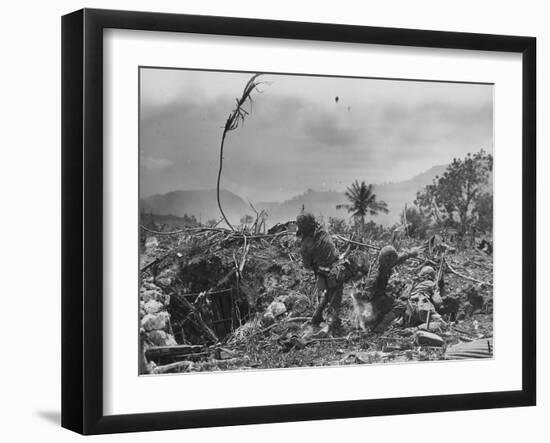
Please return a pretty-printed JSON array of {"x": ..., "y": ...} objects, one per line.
[
  {"x": 203, "y": 205},
  {"x": 395, "y": 194}
]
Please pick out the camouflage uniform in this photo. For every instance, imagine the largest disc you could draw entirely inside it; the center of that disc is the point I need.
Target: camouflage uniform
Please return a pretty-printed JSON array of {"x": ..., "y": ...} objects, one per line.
[
  {"x": 383, "y": 308},
  {"x": 427, "y": 298},
  {"x": 420, "y": 300},
  {"x": 320, "y": 255}
]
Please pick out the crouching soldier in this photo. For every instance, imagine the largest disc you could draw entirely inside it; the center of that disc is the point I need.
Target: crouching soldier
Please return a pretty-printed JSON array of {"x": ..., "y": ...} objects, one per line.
[
  {"x": 320, "y": 255},
  {"x": 373, "y": 307}
]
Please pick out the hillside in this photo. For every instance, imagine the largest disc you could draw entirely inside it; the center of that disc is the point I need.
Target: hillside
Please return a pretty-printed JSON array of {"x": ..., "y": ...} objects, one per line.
[
  {"x": 324, "y": 202},
  {"x": 199, "y": 203},
  {"x": 202, "y": 203}
]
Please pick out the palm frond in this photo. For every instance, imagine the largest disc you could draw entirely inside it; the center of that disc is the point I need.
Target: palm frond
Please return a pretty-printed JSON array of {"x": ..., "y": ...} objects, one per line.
[{"x": 363, "y": 200}]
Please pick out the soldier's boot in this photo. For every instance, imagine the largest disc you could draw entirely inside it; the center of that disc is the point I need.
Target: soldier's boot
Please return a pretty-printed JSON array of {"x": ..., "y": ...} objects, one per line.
[
  {"x": 385, "y": 323},
  {"x": 317, "y": 317},
  {"x": 335, "y": 323}
]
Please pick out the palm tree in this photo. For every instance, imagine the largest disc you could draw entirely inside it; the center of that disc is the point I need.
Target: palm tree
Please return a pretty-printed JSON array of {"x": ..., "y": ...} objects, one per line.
[{"x": 362, "y": 202}]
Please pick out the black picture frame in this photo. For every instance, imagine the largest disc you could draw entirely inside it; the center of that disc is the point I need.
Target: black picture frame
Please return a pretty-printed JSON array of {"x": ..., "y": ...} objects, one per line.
[{"x": 82, "y": 219}]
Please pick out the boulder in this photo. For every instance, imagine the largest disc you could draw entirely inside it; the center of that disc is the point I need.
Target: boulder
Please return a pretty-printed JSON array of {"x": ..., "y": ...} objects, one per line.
[
  {"x": 161, "y": 338},
  {"x": 151, "y": 322},
  {"x": 153, "y": 306},
  {"x": 151, "y": 243},
  {"x": 149, "y": 294}
]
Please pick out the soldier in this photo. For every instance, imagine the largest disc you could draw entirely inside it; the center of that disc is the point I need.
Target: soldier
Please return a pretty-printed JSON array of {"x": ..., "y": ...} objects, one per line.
[
  {"x": 320, "y": 255},
  {"x": 427, "y": 297},
  {"x": 373, "y": 307},
  {"x": 421, "y": 299}
]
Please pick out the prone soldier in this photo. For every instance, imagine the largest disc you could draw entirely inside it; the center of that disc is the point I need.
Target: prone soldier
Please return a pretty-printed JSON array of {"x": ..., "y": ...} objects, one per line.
[{"x": 373, "y": 307}]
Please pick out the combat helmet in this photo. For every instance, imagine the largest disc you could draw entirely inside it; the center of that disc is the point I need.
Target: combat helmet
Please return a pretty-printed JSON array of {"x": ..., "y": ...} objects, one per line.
[
  {"x": 306, "y": 224},
  {"x": 387, "y": 257}
]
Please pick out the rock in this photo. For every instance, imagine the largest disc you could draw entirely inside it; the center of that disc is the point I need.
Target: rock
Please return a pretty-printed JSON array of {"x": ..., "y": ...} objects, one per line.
[
  {"x": 165, "y": 281},
  {"x": 276, "y": 308},
  {"x": 164, "y": 299},
  {"x": 428, "y": 339},
  {"x": 161, "y": 338},
  {"x": 150, "y": 292},
  {"x": 153, "y": 306},
  {"x": 141, "y": 309},
  {"x": 153, "y": 322},
  {"x": 147, "y": 294},
  {"x": 166, "y": 277},
  {"x": 151, "y": 243}
]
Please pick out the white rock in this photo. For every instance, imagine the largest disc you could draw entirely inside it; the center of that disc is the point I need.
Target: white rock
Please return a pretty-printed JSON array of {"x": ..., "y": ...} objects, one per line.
[
  {"x": 153, "y": 322},
  {"x": 276, "y": 308},
  {"x": 161, "y": 338},
  {"x": 150, "y": 294},
  {"x": 151, "y": 243},
  {"x": 153, "y": 306}
]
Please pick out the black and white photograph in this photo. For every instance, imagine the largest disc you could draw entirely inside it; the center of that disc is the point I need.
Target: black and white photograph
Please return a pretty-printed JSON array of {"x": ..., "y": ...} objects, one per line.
[{"x": 297, "y": 220}]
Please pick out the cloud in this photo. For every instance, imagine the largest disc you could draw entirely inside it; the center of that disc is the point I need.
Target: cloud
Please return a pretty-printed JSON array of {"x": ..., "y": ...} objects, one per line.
[
  {"x": 297, "y": 137},
  {"x": 154, "y": 164},
  {"x": 331, "y": 130}
]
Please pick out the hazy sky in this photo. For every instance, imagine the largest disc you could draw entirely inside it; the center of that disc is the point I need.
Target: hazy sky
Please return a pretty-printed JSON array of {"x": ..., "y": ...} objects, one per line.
[{"x": 297, "y": 136}]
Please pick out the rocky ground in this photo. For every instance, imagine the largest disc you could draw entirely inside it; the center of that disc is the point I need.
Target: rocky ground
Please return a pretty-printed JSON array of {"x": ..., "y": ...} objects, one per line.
[{"x": 213, "y": 300}]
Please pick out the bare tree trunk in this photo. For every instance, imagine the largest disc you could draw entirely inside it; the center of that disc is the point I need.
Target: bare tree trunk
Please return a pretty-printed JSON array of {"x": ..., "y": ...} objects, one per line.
[{"x": 218, "y": 182}]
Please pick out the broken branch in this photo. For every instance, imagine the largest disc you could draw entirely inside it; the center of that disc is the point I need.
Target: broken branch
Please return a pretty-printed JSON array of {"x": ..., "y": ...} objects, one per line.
[{"x": 454, "y": 271}]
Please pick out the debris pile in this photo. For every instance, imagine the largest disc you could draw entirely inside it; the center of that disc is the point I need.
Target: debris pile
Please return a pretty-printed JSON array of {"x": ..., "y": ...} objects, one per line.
[{"x": 216, "y": 299}]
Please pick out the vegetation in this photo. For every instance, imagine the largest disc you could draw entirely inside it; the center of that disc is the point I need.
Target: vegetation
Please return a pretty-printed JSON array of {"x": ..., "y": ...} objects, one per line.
[
  {"x": 417, "y": 224},
  {"x": 363, "y": 202},
  {"x": 460, "y": 198},
  {"x": 213, "y": 298},
  {"x": 246, "y": 220},
  {"x": 337, "y": 226}
]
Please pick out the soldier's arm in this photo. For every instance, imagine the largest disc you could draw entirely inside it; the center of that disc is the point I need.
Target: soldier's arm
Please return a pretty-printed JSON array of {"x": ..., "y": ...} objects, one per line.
[{"x": 307, "y": 256}]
